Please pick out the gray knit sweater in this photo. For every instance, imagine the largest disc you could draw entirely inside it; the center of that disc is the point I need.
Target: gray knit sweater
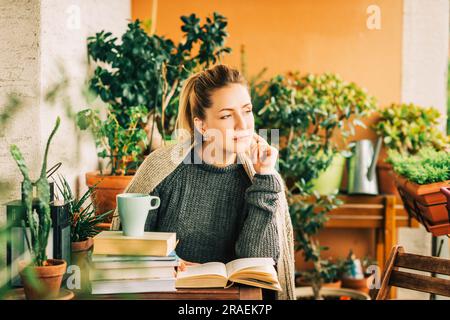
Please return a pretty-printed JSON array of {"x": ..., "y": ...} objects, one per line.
[{"x": 217, "y": 213}]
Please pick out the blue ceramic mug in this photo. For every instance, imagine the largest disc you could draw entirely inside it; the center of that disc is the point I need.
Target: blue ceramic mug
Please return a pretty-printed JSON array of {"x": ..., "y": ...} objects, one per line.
[{"x": 133, "y": 210}]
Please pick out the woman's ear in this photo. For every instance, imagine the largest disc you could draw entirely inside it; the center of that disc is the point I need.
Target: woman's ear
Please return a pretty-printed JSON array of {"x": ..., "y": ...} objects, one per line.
[{"x": 199, "y": 125}]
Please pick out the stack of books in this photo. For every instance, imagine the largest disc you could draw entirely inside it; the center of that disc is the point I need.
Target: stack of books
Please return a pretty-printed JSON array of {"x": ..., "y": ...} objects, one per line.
[{"x": 133, "y": 264}]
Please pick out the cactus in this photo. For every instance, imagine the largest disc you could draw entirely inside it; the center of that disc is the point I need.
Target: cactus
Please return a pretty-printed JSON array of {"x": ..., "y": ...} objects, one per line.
[{"x": 39, "y": 221}]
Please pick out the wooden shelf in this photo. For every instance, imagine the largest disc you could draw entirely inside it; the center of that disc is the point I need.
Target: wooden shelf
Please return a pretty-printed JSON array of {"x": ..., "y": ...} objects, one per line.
[
  {"x": 361, "y": 211},
  {"x": 384, "y": 213}
]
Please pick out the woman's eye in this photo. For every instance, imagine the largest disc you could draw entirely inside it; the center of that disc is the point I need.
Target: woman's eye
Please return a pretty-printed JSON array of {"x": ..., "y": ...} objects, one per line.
[
  {"x": 225, "y": 117},
  {"x": 249, "y": 110}
]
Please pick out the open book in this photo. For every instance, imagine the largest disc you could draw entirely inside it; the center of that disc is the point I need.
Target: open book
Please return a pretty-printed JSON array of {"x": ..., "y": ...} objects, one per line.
[{"x": 258, "y": 272}]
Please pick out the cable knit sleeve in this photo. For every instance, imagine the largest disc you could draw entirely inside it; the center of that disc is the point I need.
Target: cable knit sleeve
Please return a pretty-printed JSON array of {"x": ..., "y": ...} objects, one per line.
[{"x": 259, "y": 235}]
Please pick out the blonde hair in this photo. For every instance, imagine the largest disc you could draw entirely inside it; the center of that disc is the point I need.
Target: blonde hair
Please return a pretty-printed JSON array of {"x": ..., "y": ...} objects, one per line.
[{"x": 196, "y": 94}]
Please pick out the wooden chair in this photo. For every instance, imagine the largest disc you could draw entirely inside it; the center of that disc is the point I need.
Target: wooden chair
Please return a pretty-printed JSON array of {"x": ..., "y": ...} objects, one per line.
[{"x": 392, "y": 277}]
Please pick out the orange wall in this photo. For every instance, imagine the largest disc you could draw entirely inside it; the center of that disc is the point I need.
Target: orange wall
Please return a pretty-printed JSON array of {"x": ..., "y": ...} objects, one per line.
[
  {"x": 310, "y": 36},
  {"x": 307, "y": 35}
]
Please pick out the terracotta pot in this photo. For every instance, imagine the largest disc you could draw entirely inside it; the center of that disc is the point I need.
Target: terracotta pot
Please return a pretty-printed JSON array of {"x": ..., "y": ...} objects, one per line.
[
  {"x": 80, "y": 257},
  {"x": 300, "y": 282},
  {"x": 362, "y": 285},
  {"x": 42, "y": 282},
  {"x": 336, "y": 284},
  {"x": 81, "y": 246},
  {"x": 106, "y": 190},
  {"x": 306, "y": 293},
  {"x": 426, "y": 203},
  {"x": 386, "y": 179}
]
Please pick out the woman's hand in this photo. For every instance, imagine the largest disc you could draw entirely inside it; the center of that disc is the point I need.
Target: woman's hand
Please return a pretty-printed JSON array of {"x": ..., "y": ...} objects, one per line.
[
  {"x": 263, "y": 155},
  {"x": 183, "y": 264}
]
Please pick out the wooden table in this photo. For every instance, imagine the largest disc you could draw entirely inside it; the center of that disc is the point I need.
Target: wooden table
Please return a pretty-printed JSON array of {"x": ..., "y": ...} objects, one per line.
[{"x": 235, "y": 292}]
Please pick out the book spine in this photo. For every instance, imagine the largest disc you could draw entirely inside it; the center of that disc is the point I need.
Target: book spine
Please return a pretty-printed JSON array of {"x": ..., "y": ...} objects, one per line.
[{"x": 130, "y": 247}]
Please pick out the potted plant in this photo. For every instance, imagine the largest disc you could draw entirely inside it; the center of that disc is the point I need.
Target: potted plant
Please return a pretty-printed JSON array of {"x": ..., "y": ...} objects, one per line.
[
  {"x": 306, "y": 293},
  {"x": 419, "y": 180},
  {"x": 140, "y": 80},
  {"x": 329, "y": 279},
  {"x": 308, "y": 110},
  {"x": 336, "y": 284},
  {"x": 406, "y": 128},
  {"x": 85, "y": 224},
  {"x": 41, "y": 277},
  {"x": 357, "y": 275}
]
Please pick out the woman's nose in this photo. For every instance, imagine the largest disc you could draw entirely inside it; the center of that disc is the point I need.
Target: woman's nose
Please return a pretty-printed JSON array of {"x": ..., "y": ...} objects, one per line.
[{"x": 240, "y": 122}]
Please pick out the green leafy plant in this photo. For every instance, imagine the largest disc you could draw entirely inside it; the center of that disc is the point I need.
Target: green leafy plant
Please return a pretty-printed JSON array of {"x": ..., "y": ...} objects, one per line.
[
  {"x": 123, "y": 145},
  {"x": 83, "y": 219},
  {"x": 309, "y": 110},
  {"x": 39, "y": 220},
  {"x": 408, "y": 128},
  {"x": 426, "y": 166},
  {"x": 144, "y": 75}
]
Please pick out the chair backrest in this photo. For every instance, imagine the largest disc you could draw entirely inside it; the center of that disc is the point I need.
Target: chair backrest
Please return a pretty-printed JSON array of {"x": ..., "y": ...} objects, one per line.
[{"x": 392, "y": 277}]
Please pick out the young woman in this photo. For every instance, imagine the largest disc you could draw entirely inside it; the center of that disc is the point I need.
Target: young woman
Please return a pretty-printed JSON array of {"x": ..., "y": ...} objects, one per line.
[{"x": 218, "y": 186}]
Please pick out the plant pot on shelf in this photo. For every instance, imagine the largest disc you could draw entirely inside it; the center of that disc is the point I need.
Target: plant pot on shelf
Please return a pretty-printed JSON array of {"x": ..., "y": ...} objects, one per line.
[
  {"x": 301, "y": 282},
  {"x": 336, "y": 284},
  {"x": 386, "y": 179},
  {"x": 426, "y": 203},
  {"x": 306, "y": 293},
  {"x": 42, "y": 282},
  {"x": 362, "y": 285},
  {"x": 329, "y": 181},
  {"x": 107, "y": 187},
  {"x": 82, "y": 246},
  {"x": 80, "y": 257}
]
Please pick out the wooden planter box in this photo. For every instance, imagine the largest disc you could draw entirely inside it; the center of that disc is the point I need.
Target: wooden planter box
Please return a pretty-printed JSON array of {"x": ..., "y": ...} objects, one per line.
[{"x": 426, "y": 203}]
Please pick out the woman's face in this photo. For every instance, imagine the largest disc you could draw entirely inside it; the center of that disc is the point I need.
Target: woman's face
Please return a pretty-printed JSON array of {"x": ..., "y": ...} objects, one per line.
[{"x": 229, "y": 122}]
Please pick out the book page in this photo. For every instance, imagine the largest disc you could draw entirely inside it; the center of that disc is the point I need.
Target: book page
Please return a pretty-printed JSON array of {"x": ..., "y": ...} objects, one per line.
[
  {"x": 245, "y": 263},
  {"x": 259, "y": 283},
  {"x": 210, "y": 268}
]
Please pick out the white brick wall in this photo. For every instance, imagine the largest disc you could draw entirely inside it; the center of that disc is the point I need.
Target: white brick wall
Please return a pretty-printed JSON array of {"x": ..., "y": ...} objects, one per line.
[{"x": 36, "y": 36}]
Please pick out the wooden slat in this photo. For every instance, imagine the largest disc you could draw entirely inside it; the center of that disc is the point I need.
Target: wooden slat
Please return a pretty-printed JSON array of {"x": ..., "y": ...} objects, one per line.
[
  {"x": 422, "y": 263},
  {"x": 362, "y": 199},
  {"x": 359, "y": 212},
  {"x": 390, "y": 232},
  {"x": 353, "y": 223},
  {"x": 389, "y": 268},
  {"x": 420, "y": 282}
]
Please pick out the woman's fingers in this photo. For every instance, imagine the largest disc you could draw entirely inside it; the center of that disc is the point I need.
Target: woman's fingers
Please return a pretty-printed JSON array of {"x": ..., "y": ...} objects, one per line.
[{"x": 182, "y": 264}]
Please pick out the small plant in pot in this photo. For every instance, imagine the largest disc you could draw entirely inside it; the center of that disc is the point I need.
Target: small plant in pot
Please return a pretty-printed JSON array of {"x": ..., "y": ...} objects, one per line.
[
  {"x": 41, "y": 277},
  {"x": 419, "y": 179},
  {"x": 84, "y": 226},
  {"x": 140, "y": 80},
  {"x": 406, "y": 128},
  {"x": 357, "y": 275},
  {"x": 84, "y": 221}
]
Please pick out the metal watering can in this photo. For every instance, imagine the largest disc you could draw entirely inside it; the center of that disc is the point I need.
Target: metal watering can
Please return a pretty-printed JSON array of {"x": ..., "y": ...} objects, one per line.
[{"x": 361, "y": 168}]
